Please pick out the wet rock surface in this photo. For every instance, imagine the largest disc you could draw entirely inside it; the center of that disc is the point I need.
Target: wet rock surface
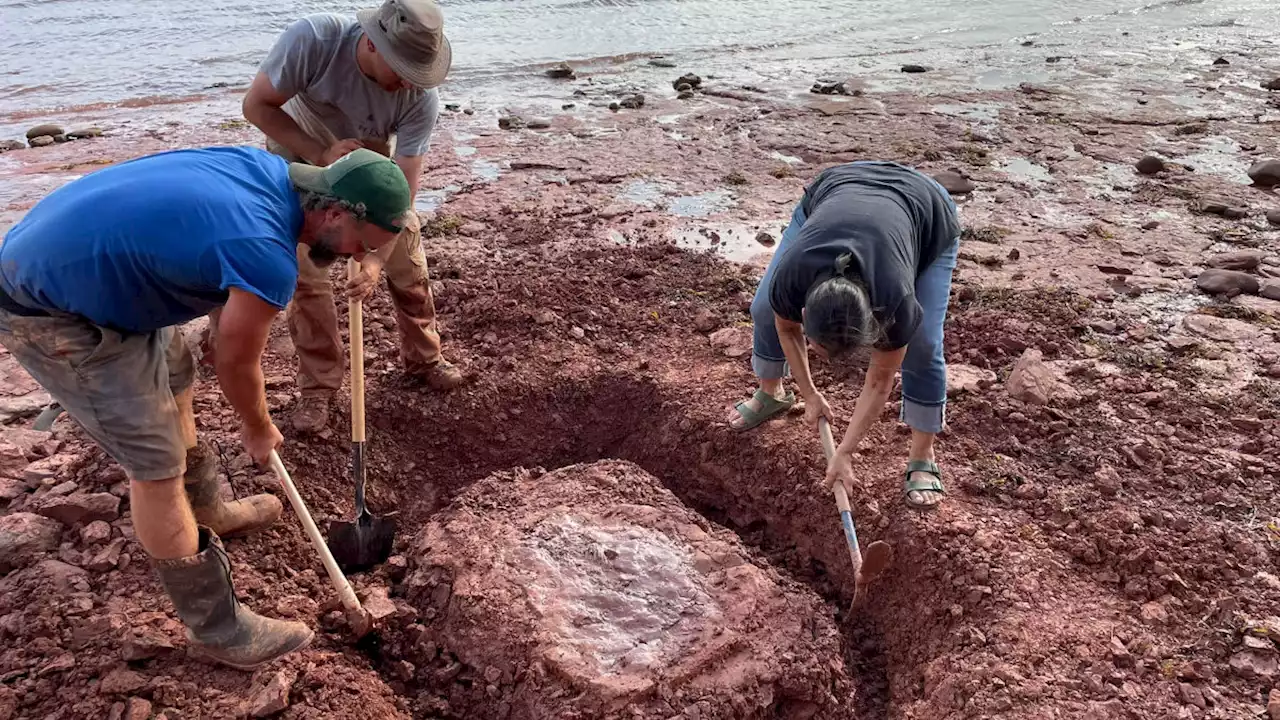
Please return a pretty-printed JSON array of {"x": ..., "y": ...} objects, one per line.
[
  {"x": 692, "y": 80},
  {"x": 1133, "y": 514},
  {"x": 561, "y": 71},
  {"x": 593, "y": 591},
  {"x": 955, "y": 183},
  {"x": 1150, "y": 165},
  {"x": 23, "y": 537},
  {"x": 1227, "y": 282},
  {"x": 1266, "y": 173},
  {"x": 45, "y": 130}
]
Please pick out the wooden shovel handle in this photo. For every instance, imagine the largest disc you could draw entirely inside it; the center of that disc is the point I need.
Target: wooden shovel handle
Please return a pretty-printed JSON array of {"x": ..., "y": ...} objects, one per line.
[
  {"x": 829, "y": 449},
  {"x": 842, "y": 498},
  {"x": 355, "y": 325},
  {"x": 340, "y": 584}
]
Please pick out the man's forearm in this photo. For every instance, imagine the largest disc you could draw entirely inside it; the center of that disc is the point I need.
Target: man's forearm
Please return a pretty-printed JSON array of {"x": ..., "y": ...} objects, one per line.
[
  {"x": 243, "y": 386},
  {"x": 280, "y": 127}
]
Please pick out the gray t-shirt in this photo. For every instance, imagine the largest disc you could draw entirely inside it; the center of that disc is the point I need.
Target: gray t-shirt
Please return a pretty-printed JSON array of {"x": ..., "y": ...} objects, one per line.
[{"x": 315, "y": 61}]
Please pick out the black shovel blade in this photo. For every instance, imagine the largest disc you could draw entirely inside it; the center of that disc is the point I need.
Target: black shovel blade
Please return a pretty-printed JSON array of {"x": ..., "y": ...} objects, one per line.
[{"x": 361, "y": 544}]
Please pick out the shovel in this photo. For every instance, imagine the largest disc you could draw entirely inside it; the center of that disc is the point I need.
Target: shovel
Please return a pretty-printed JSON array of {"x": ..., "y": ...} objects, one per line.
[
  {"x": 866, "y": 566},
  {"x": 365, "y": 541},
  {"x": 358, "y": 618}
]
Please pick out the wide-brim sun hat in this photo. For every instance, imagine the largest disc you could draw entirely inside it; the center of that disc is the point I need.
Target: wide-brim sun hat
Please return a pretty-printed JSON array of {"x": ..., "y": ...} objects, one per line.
[{"x": 409, "y": 35}]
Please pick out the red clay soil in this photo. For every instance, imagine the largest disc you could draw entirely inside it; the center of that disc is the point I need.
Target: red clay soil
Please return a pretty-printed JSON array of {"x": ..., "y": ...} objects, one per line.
[
  {"x": 592, "y": 592},
  {"x": 1108, "y": 548}
]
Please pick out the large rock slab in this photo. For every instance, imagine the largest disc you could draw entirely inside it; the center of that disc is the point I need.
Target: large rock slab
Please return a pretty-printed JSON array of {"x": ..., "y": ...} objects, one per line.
[
  {"x": 1227, "y": 282},
  {"x": 24, "y": 537},
  {"x": 968, "y": 379},
  {"x": 592, "y": 590},
  {"x": 79, "y": 507},
  {"x": 1265, "y": 173},
  {"x": 1227, "y": 330},
  {"x": 733, "y": 341},
  {"x": 1035, "y": 382}
]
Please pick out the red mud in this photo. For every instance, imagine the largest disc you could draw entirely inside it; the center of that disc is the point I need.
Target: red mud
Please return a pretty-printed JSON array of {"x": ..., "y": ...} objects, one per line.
[{"x": 1108, "y": 552}]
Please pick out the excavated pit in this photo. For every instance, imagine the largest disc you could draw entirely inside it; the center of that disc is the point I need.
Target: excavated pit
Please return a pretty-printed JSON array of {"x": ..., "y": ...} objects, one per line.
[{"x": 528, "y": 548}]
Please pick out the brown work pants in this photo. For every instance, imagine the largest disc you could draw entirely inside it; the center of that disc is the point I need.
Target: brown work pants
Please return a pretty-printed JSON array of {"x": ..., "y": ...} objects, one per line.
[{"x": 313, "y": 316}]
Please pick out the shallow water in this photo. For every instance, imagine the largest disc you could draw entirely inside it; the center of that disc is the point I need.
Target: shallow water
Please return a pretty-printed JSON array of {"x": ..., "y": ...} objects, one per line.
[{"x": 71, "y": 53}]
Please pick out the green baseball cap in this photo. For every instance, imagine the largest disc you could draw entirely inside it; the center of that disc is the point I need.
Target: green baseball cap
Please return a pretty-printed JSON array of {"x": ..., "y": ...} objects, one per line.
[{"x": 363, "y": 178}]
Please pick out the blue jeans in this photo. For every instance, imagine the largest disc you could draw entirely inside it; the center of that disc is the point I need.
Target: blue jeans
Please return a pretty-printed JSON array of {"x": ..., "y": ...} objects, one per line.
[{"x": 924, "y": 369}]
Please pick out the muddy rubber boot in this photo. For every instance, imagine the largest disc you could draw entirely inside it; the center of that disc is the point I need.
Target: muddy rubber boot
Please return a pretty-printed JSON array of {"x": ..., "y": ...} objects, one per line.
[
  {"x": 225, "y": 519},
  {"x": 219, "y": 628},
  {"x": 442, "y": 376},
  {"x": 312, "y": 414}
]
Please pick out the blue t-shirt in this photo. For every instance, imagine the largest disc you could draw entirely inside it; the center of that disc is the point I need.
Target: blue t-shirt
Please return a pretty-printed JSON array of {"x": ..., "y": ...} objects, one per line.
[{"x": 159, "y": 240}]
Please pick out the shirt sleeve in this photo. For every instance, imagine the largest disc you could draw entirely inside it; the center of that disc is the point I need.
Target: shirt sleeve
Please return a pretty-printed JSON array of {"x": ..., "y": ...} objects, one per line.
[
  {"x": 896, "y": 330},
  {"x": 293, "y": 62},
  {"x": 259, "y": 266},
  {"x": 413, "y": 131}
]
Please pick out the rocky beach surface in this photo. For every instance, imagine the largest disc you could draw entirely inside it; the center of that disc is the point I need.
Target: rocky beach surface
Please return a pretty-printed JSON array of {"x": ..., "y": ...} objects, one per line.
[{"x": 1108, "y": 548}]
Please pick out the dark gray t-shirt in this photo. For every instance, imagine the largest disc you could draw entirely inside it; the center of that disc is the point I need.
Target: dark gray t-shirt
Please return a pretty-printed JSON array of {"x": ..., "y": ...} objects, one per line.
[
  {"x": 315, "y": 61},
  {"x": 892, "y": 220}
]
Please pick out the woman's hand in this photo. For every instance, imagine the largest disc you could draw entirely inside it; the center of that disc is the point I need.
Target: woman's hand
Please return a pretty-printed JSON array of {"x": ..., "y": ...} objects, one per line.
[
  {"x": 815, "y": 408},
  {"x": 840, "y": 470}
]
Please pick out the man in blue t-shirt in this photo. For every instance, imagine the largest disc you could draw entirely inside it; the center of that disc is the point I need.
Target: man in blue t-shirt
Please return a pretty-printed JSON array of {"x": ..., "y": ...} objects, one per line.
[{"x": 94, "y": 281}]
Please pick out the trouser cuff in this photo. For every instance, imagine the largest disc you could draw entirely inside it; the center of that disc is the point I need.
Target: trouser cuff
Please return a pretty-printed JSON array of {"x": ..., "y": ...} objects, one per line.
[
  {"x": 922, "y": 417},
  {"x": 768, "y": 369}
]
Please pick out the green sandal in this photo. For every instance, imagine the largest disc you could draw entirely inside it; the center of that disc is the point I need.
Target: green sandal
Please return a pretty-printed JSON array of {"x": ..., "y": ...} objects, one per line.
[
  {"x": 934, "y": 483},
  {"x": 769, "y": 407}
]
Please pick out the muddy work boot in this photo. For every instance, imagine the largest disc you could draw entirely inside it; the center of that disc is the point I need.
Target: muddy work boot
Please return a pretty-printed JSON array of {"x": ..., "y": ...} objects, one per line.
[
  {"x": 312, "y": 414},
  {"x": 219, "y": 628},
  {"x": 226, "y": 519},
  {"x": 442, "y": 376}
]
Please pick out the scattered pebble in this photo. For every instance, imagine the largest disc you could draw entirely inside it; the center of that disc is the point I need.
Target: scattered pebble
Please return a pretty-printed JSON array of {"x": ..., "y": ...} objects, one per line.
[
  {"x": 273, "y": 697},
  {"x": 46, "y": 130},
  {"x": 1266, "y": 173},
  {"x": 562, "y": 71},
  {"x": 1227, "y": 282},
  {"x": 693, "y": 81},
  {"x": 1150, "y": 165}
]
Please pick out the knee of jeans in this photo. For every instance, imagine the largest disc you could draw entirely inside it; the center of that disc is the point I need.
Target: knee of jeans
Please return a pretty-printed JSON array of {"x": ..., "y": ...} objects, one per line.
[
  {"x": 761, "y": 310},
  {"x": 923, "y": 356}
]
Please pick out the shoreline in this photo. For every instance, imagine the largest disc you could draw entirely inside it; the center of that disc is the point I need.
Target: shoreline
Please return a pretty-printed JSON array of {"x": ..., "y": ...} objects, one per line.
[{"x": 1108, "y": 546}]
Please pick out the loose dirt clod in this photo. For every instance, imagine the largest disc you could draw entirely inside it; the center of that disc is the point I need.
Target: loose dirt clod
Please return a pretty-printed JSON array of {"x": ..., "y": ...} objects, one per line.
[{"x": 592, "y": 589}]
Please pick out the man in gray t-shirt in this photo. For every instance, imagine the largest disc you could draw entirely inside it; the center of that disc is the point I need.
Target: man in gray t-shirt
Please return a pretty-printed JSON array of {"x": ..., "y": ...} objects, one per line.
[{"x": 331, "y": 84}]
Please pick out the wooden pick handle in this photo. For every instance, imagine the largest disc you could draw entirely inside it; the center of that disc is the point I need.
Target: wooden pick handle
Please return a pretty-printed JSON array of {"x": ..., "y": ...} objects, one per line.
[
  {"x": 355, "y": 325},
  {"x": 842, "y": 498},
  {"x": 340, "y": 584}
]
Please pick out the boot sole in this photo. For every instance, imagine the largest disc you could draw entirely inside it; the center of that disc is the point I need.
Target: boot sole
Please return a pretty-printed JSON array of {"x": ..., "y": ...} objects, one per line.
[{"x": 198, "y": 652}]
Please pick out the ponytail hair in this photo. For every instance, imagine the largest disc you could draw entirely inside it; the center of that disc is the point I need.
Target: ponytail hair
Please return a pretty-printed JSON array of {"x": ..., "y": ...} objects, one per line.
[{"x": 837, "y": 311}]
